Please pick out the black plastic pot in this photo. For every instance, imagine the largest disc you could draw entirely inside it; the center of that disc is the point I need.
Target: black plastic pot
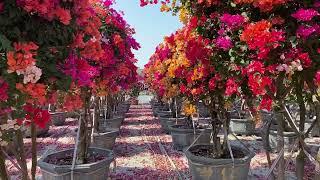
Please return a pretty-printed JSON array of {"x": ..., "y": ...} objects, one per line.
[
  {"x": 94, "y": 171},
  {"x": 58, "y": 118},
  {"x": 183, "y": 138},
  {"x": 105, "y": 139},
  {"x": 167, "y": 121},
  {"x": 242, "y": 126},
  {"x": 289, "y": 139},
  {"x": 203, "y": 168}
]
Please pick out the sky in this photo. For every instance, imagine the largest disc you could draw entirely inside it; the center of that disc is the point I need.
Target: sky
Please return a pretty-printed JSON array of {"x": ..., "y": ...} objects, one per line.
[{"x": 150, "y": 24}]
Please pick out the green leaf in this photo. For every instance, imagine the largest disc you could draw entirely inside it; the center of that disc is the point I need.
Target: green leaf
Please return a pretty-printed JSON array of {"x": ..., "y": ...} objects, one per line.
[{"x": 5, "y": 43}]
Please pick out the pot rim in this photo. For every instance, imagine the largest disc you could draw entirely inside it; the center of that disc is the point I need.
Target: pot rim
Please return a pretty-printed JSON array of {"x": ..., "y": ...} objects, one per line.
[
  {"x": 173, "y": 128},
  {"x": 108, "y": 131},
  {"x": 52, "y": 168},
  {"x": 216, "y": 162}
]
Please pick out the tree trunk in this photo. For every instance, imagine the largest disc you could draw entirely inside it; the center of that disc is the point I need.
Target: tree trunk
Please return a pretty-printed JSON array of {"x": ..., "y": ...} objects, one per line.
[
  {"x": 280, "y": 143},
  {"x": 21, "y": 156},
  {"x": 96, "y": 115},
  {"x": 3, "y": 170},
  {"x": 83, "y": 144},
  {"x": 33, "y": 150},
  {"x": 109, "y": 107},
  {"x": 317, "y": 173},
  {"x": 300, "y": 160}
]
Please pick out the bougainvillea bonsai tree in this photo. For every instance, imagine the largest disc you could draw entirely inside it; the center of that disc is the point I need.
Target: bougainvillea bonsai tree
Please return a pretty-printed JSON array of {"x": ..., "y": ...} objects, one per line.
[{"x": 34, "y": 38}]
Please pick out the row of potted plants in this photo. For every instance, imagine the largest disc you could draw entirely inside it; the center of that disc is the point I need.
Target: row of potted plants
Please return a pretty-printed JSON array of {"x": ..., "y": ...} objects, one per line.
[
  {"x": 73, "y": 55},
  {"x": 262, "y": 53}
]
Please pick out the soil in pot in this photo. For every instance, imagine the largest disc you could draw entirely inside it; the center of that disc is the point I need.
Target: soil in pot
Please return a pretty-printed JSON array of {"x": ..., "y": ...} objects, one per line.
[
  {"x": 242, "y": 126},
  {"x": 57, "y": 166},
  {"x": 58, "y": 118},
  {"x": 183, "y": 136},
  {"x": 202, "y": 166},
  {"x": 105, "y": 139}
]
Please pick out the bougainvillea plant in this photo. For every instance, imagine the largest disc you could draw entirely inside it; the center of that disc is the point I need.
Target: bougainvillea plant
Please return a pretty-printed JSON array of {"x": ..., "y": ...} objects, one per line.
[
  {"x": 262, "y": 50},
  {"x": 41, "y": 43}
]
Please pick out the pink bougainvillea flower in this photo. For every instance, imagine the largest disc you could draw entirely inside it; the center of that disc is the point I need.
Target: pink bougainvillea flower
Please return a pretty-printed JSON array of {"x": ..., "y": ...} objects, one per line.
[
  {"x": 224, "y": 43},
  {"x": 232, "y": 21},
  {"x": 305, "y": 14},
  {"x": 80, "y": 70},
  {"x": 305, "y": 31},
  {"x": 317, "y": 78}
]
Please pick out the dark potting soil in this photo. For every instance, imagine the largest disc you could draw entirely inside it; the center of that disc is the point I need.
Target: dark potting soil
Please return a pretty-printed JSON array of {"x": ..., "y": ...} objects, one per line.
[
  {"x": 207, "y": 151},
  {"x": 184, "y": 126},
  {"x": 68, "y": 158}
]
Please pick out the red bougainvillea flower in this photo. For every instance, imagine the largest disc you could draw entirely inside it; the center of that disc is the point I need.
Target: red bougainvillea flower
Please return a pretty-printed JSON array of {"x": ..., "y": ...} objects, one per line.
[
  {"x": 63, "y": 15},
  {"x": 4, "y": 86},
  {"x": 38, "y": 116},
  {"x": 1, "y": 6},
  {"x": 212, "y": 84},
  {"x": 231, "y": 87},
  {"x": 305, "y": 14},
  {"x": 259, "y": 36},
  {"x": 266, "y": 103},
  {"x": 263, "y": 5}
]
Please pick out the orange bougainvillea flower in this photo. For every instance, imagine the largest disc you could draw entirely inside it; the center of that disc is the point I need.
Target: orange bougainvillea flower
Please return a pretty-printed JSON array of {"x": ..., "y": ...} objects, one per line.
[
  {"x": 22, "y": 57},
  {"x": 36, "y": 92}
]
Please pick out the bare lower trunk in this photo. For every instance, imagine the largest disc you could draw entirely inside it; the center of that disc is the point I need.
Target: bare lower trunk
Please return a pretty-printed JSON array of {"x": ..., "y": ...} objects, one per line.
[
  {"x": 96, "y": 115},
  {"x": 21, "y": 156},
  {"x": 33, "y": 150},
  {"x": 83, "y": 144},
  {"x": 109, "y": 107},
  {"x": 300, "y": 160},
  {"x": 280, "y": 143},
  {"x": 317, "y": 173},
  {"x": 3, "y": 169}
]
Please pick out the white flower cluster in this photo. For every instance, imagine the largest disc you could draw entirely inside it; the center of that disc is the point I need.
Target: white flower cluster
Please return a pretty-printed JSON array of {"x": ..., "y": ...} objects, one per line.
[
  {"x": 31, "y": 74},
  {"x": 291, "y": 68}
]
